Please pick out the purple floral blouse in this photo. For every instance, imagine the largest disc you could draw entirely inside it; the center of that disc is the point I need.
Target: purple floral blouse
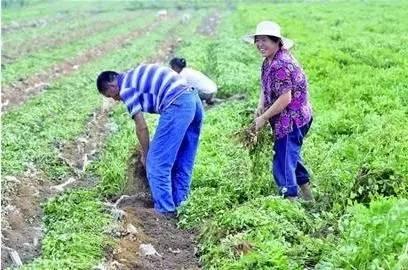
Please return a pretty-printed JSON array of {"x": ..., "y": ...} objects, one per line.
[{"x": 279, "y": 76}]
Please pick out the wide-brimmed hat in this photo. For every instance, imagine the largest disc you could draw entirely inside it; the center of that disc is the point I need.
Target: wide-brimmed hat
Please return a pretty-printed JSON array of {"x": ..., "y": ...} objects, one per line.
[{"x": 268, "y": 28}]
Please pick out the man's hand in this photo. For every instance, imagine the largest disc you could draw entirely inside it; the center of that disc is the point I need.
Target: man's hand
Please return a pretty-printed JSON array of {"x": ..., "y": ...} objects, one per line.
[
  {"x": 142, "y": 158},
  {"x": 260, "y": 122}
]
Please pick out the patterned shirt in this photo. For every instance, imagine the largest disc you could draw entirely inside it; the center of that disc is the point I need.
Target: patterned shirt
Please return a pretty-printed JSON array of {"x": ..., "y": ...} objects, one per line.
[
  {"x": 150, "y": 88},
  {"x": 279, "y": 76}
]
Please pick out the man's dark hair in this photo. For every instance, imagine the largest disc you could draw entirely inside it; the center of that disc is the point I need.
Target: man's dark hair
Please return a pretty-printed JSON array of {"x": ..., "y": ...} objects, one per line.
[
  {"x": 104, "y": 78},
  {"x": 178, "y": 62}
]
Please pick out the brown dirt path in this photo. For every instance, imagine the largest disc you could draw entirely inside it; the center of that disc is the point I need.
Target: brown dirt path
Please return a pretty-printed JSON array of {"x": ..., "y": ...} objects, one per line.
[{"x": 21, "y": 216}]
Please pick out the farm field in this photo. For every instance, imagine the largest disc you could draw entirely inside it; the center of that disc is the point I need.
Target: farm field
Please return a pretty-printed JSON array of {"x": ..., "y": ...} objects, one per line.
[{"x": 71, "y": 181}]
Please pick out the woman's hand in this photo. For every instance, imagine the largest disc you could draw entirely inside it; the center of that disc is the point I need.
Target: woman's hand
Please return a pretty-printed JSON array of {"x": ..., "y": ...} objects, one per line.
[
  {"x": 260, "y": 122},
  {"x": 259, "y": 111}
]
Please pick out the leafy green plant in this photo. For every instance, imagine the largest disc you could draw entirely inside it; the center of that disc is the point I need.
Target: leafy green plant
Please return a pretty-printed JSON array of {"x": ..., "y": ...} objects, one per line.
[
  {"x": 248, "y": 233},
  {"x": 74, "y": 237},
  {"x": 356, "y": 148},
  {"x": 374, "y": 237}
]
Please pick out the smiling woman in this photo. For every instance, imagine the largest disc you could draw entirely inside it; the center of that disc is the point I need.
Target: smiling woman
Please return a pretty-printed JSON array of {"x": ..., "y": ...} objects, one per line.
[
  {"x": 284, "y": 103},
  {"x": 268, "y": 45},
  {"x": 355, "y": 152}
]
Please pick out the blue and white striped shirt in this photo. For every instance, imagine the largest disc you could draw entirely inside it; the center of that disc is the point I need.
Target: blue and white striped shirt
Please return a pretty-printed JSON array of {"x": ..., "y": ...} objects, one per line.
[{"x": 150, "y": 88}]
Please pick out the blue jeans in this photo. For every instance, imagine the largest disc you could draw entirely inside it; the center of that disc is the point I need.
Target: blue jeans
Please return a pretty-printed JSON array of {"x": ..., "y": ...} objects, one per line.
[
  {"x": 172, "y": 152},
  {"x": 288, "y": 169}
]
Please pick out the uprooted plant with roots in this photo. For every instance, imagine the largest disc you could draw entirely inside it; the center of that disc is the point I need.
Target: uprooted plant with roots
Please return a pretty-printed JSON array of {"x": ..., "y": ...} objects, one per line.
[{"x": 258, "y": 143}]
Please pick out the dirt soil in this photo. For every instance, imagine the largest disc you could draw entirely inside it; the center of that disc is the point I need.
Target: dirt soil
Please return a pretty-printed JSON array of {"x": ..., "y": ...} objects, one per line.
[
  {"x": 22, "y": 197},
  {"x": 79, "y": 153},
  {"x": 172, "y": 248},
  {"x": 21, "y": 215}
]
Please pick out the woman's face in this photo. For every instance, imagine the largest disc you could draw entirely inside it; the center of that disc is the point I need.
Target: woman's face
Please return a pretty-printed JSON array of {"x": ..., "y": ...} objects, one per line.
[{"x": 266, "y": 46}]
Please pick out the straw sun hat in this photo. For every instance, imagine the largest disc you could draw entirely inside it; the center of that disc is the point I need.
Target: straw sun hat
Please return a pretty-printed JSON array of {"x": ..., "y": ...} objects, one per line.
[{"x": 268, "y": 28}]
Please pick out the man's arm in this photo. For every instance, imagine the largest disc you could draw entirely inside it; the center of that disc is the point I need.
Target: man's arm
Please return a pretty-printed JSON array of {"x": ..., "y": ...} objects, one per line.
[{"x": 142, "y": 133}]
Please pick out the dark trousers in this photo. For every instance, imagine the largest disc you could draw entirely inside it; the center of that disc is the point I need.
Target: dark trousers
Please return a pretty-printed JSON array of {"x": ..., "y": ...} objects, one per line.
[{"x": 288, "y": 169}]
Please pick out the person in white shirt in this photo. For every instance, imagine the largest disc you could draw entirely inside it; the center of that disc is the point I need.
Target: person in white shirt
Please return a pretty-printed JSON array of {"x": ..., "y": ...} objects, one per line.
[{"x": 205, "y": 86}]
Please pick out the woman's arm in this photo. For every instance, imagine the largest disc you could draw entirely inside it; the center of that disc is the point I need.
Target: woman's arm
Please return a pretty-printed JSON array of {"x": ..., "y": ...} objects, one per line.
[
  {"x": 260, "y": 108},
  {"x": 277, "y": 107}
]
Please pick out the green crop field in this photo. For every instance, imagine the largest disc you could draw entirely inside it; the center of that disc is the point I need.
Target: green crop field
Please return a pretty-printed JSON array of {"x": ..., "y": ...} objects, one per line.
[{"x": 355, "y": 56}]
